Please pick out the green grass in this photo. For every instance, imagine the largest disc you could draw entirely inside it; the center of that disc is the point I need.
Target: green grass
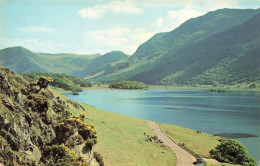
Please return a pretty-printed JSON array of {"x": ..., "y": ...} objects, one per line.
[
  {"x": 121, "y": 139},
  {"x": 59, "y": 90},
  {"x": 200, "y": 143},
  {"x": 220, "y": 164}
]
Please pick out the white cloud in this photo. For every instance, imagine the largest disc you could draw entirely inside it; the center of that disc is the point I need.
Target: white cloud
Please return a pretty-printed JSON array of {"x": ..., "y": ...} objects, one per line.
[
  {"x": 205, "y": 5},
  {"x": 124, "y": 39},
  {"x": 36, "y": 29},
  {"x": 115, "y": 6},
  {"x": 2, "y": 2},
  {"x": 159, "y": 22},
  {"x": 177, "y": 17}
]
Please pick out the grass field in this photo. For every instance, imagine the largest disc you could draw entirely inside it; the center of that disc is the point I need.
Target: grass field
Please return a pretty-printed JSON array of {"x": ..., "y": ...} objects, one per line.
[
  {"x": 200, "y": 143},
  {"x": 220, "y": 164}
]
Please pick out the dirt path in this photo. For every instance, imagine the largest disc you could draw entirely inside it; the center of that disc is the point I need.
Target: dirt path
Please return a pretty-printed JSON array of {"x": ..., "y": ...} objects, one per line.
[{"x": 183, "y": 157}]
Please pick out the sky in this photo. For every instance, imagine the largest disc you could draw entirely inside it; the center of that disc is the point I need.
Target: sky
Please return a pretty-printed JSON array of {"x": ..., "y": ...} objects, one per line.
[{"x": 97, "y": 26}]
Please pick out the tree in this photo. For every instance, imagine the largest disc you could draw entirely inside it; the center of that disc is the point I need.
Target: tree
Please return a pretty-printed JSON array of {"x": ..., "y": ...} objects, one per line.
[
  {"x": 232, "y": 151},
  {"x": 253, "y": 85}
]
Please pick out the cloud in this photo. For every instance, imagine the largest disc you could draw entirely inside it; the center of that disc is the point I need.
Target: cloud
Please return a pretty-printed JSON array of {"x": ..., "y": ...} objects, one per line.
[
  {"x": 205, "y": 5},
  {"x": 36, "y": 29},
  {"x": 159, "y": 22},
  {"x": 125, "y": 39},
  {"x": 175, "y": 18},
  {"x": 2, "y": 2},
  {"x": 116, "y": 6}
]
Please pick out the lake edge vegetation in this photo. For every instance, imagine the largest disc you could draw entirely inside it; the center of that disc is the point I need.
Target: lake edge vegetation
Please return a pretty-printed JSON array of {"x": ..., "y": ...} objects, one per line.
[{"x": 128, "y": 85}]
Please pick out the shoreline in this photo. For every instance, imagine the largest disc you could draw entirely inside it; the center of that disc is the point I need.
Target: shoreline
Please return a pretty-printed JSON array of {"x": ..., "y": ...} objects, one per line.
[{"x": 161, "y": 87}]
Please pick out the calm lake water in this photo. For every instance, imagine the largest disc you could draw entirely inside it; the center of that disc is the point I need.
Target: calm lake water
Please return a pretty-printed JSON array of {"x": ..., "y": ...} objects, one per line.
[{"x": 234, "y": 114}]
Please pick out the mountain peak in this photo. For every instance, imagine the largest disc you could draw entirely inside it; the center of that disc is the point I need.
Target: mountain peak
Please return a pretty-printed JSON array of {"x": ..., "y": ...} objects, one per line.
[
  {"x": 17, "y": 49},
  {"x": 116, "y": 53}
]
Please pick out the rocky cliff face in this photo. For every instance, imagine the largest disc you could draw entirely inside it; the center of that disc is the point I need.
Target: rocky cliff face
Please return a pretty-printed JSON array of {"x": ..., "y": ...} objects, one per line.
[{"x": 37, "y": 127}]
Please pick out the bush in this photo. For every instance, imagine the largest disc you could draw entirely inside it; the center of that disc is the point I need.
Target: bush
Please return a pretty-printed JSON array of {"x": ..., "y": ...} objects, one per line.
[
  {"x": 43, "y": 82},
  {"x": 99, "y": 158},
  {"x": 60, "y": 155},
  {"x": 89, "y": 144},
  {"x": 128, "y": 85},
  {"x": 68, "y": 127},
  {"x": 232, "y": 151},
  {"x": 253, "y": 85}
]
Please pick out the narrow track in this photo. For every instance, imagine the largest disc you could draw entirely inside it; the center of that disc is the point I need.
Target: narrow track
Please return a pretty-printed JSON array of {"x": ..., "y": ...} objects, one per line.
[{"x": 182, "y": 156}]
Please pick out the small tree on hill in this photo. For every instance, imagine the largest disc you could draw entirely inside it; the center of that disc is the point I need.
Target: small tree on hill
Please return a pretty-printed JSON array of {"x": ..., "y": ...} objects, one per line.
[{"x": 232, "y": 151}]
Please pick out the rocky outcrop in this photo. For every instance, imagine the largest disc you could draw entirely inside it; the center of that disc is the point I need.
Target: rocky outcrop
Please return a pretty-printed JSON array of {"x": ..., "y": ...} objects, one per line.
[{"x": 37, "y": 127}]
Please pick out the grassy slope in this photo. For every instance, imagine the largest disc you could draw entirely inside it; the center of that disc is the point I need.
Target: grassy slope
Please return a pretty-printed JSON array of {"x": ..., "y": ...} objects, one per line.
[
  {"x": 220, "y": 164},
  {"x": 200, "y": 143},
  {"x": 122, "y": 141}
]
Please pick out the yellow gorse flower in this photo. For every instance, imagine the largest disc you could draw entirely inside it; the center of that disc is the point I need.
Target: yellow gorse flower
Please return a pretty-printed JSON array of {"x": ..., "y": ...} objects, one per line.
[{"x": 47, "y": 78}]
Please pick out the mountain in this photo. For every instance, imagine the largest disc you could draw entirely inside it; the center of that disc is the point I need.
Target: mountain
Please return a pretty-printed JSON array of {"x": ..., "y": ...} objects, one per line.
[
  {"x": 211, "y": 48},
  {"x": 20, "y": 59},
  {"x": 37, "y": 126},
  {"x": 99, "y": 62},
  {"x": 23, "y": 60}
]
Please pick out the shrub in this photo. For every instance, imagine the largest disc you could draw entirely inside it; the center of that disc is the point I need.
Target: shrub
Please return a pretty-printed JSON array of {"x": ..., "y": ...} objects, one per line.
[
  {"x": 99, "y": 158},
  {"x": 60, "y": 155},
  {"x": 89, "y": 144},
  {"x": 128, "y": 85},
  {"x": 82, "y": 116},
  {"x": 43, "y": 82},
  {"x": 73, "y": 141},
  {"x": 232, "y": 151},
  {"x": 70, "y": 125},
  {"x": 253, "y": 85}
]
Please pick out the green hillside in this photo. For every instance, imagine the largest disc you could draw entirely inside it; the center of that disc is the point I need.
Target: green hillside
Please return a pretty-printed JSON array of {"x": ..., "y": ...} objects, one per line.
[
  {"x": 226, "y": 57},
  {"x": 22, "y": 60},
  {"x": 220, "y": 46},
  {"x": 100, "y": 61},
  {"x": 37, "y": 126}
]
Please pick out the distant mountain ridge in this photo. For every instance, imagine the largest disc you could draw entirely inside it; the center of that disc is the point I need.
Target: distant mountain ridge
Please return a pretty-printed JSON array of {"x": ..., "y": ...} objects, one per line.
[
  {"x": 22, "y": 60},
  {"x": 203, "y": 50},
  {"x": 99, "y": 62}
]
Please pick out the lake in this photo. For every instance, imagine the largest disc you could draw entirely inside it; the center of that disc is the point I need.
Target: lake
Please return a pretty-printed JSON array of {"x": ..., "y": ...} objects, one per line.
[{"x": 235, "y": 114}]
